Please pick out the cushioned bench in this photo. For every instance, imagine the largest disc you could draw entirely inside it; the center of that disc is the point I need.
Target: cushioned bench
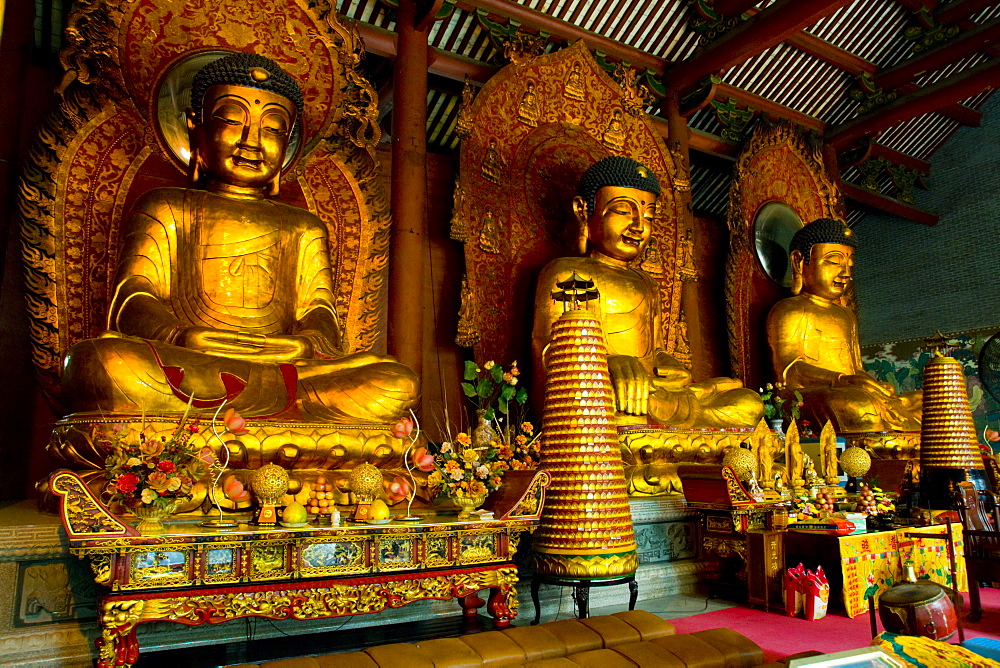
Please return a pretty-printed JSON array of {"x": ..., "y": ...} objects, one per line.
[{"x": 622, "y": 640}]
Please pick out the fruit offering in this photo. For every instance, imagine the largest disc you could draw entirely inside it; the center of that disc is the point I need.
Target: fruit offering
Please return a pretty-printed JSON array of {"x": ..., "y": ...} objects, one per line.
[
  {"x": 871, "y": 501},
  {"x": 321, "y": 505},
  {"x": 824, "y": 503}
]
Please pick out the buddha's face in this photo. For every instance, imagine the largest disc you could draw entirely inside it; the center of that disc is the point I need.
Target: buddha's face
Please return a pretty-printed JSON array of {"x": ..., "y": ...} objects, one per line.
[
  {"x": 828, "y": 273},
  {"x": 242, "y": 138},
  {"x": 621, "y": 224}
]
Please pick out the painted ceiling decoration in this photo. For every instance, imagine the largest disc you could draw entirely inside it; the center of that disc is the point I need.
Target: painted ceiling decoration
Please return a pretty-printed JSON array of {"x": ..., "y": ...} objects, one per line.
[{"x": 884, "y": 82}]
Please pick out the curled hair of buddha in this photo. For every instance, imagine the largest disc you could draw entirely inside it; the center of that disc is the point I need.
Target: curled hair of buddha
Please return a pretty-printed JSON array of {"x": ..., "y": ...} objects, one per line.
[
  {"x": 244, "y": 69},
  {"x": 821, "y": 231},
  {"x": 619, "y": 172}
]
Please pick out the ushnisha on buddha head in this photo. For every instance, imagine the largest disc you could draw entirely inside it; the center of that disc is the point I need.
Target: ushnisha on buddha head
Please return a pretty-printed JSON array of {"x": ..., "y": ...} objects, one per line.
[
  {"x": 243, "y": 109},
  {"x": 615, "y": 206}
]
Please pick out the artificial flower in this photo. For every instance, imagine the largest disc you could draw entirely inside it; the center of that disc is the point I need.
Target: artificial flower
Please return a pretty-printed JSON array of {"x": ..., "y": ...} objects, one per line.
[
  {"x": 166, "y": 466},
  {"x": 235, "y": 423},
  {"x": 127, "y": 483},
  {"x": 423, "y": 460},
  {"x": 151, "y": 448},
  {"x": 463, "y": 439}
]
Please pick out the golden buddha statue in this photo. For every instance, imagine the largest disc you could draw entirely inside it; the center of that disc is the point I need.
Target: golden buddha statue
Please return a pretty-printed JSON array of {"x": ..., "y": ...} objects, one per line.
[
  {"x": 814, "y": 340},
  {"x": 615, "y": 206},
  {"x": 224, "y": 295}
]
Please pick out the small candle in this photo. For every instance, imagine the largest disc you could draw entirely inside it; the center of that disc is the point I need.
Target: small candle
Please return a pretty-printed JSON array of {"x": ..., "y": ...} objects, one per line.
[{"x": 335, "y": 517}]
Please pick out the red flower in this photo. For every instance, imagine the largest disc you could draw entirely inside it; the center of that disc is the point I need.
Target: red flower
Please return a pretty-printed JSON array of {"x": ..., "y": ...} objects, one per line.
[
  {"x": 166, "y": 466},
  {"x": 423, "y": 459},
  {"x": 127, "y": 483}
]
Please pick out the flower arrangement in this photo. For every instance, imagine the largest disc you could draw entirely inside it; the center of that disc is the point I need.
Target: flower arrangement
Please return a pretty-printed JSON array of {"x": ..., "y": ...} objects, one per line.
[
  {"x": 778, "y": 403},
  {"x": 491, "y": 389},
  {"x": 465, "y": 471},
  {"x": 522, "y": 452},
  {"x": 147, "y": 471}
]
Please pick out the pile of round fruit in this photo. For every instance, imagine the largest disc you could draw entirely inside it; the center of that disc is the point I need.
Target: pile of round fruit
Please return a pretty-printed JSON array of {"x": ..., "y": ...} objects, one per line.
[
  {"x": 872, "y": 501},
  {"x": 824, "y": 503},
  {"x": 321, "y": 497}
]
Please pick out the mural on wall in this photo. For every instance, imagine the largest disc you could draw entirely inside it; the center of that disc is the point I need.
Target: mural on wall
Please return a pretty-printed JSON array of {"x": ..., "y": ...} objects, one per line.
[{"x": 902, "y": 363}]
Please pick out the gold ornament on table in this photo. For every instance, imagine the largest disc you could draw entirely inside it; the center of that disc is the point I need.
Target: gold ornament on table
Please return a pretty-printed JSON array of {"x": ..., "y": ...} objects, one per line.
[
  {"x": 855, "y": 462},
  {"x": 366, "y": 484},
  {"x": 614, "y": 210},
  {"x": 742, "y": 461},
  {"x": 586, "y": 525},
  {"x": 794, "y": 459},
  {"x": 828, "y": 460},
  {"x": 814, "y": 340},
  {"x": 269, "y": 483}
]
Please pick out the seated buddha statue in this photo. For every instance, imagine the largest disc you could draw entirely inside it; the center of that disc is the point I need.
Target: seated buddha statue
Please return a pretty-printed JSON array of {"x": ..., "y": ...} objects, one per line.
[
  {"x": 225, "y": 295},
  {"x": 615, "y": 205},
  {"x": 814, "y": 340}
]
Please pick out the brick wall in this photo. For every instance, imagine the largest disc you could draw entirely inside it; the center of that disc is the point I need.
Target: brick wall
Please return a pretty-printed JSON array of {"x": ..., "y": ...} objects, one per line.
[{"x": 912, "y": 280}]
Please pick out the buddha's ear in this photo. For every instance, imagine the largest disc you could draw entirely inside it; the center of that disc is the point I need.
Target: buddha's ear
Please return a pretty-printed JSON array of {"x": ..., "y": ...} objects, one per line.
[
  {"x": 582, "y": 230},
  {"x": 797, "y": 260},
  {"x": 194, "y": 162}
]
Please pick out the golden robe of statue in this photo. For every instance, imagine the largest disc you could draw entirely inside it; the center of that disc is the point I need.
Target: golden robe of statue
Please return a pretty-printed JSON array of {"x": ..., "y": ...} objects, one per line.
[
  {"x": 615, "y": 210},
  {"x": 225, "y": 295},
  {"x": 815, "y": 346}
]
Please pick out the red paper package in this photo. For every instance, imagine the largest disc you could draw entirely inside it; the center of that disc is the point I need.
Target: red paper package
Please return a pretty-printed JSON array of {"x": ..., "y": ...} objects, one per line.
[
  {"x": 816, "y": 594},
  {"x": 792, "y": 590}
]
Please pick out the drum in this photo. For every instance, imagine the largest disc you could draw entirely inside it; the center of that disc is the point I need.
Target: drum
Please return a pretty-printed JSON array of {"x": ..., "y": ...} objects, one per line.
[{"x": 918, "y": 609}]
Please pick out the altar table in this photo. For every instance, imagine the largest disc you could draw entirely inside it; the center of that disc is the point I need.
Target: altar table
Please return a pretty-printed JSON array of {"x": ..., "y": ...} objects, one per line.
[
  {"x": 860, "y": 562},
  {"x": 193, "y": 575}
]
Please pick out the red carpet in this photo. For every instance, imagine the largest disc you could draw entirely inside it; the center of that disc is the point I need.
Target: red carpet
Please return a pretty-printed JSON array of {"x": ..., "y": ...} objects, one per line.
[{"x": 780, "y": 636}]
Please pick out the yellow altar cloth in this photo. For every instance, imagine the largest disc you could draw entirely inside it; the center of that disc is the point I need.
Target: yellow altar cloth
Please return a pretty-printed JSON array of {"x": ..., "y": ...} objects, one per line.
[{"x": 879, "y": 559}]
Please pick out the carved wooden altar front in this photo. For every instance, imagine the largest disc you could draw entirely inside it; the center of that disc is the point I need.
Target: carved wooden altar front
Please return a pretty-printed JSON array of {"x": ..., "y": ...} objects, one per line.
[{"x": 192, "y": 576}]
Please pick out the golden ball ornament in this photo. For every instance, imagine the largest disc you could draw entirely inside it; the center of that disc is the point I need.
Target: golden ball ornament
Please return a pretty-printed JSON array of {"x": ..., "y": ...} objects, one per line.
[
  {"x": 742, "y": 461},
  {"x": 366, "y": 481},
  {"x": 855, "y": 461},
  {"x": 269, "y": 483}
]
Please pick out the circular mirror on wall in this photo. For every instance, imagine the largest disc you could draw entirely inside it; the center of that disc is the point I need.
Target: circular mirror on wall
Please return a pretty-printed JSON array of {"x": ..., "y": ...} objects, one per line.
[
  {"x": 175, "y": 97},
  {"x": 773, "y": 228}
]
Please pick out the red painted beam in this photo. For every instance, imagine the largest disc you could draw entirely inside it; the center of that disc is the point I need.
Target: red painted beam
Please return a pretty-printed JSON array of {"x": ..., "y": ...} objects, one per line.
[
  {"x": 829, "y": 53},
  {"x": 383, "y": 43},
  {"x": 769, "y": 27},
  {"x": 733, "y": 7},
  {"x": 931, "y": 98},
  {"x": 967, "y": 44},
  {"x": 917, "y": 5},
  {"x": 724, "y": 91},
  {"x": 886, "y": 204},
  {"x": 897, "y": 158}
]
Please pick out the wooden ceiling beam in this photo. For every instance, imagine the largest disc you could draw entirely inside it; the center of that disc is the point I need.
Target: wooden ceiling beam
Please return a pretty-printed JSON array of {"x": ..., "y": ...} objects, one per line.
[
  {"x": 767, "y": 28},
  {"x": 897, "y": 158},
  {"x": 970, "y": 42},
  {"x": 879, "y": 202},
  {"x": 724, "y": 91},
  {"x": 567, "y": 31},
  {"x": 931, "y": 98},
  {"x": 444, "y": 63},
  {"x": 956, "y": 111},
  {"x": 917, "y": 5},
  {"x": 829, "y": 53},
  {"x": 733, "y": 7}
]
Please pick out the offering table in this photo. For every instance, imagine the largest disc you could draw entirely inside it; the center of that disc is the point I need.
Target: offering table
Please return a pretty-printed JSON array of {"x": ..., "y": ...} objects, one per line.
[{"x": 193, "y": 575}]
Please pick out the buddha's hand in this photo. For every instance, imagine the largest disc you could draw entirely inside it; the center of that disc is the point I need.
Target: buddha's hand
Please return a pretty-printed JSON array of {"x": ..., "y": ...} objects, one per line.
[
  {"x": 866, "y": 382},
  {"x": 632, "y": 384},
  {"x": 244, "y": 345}
]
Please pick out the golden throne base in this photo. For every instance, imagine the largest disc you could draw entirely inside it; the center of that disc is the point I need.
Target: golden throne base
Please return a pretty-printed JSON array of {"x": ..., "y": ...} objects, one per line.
[
  {"x": 81, "y": 442},
  {"x": 887, "y": 444},
  {"x": 651, "y": 454}
]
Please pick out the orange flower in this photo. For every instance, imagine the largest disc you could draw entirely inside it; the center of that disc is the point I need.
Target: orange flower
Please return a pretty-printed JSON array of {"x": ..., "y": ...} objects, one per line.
[{"x": 464, "y": 438}]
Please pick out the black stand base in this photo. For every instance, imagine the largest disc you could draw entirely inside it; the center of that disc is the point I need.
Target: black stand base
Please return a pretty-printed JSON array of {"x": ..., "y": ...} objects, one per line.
[{"x": 581, "y": 592}]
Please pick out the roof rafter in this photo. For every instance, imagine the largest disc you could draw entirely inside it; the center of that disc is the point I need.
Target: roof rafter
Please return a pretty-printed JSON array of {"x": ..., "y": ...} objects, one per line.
[
  {"x": 767, "y": 28},
  {"x": 924, "y": 100},
  {"x": 961, "y": 9},
  {"x": 966, "y": 45},
  {"x": 873, "y": 200},
  {"x": 566, "y": 31}
]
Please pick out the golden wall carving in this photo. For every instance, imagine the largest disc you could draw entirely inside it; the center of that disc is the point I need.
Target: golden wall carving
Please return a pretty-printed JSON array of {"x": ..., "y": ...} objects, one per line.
[
  {"x": 777, "y": 164},
  {"x": 104, "y": 145}
]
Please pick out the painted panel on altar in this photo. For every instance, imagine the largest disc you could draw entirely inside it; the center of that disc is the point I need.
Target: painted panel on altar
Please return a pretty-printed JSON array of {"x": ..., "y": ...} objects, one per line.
[
  {"x": 160, "y": 567},
  {"x": 396, "y": 553},
  {"x": 477, "y": 547},
  {"x": 267, "y": 562},
  {"x": 436, "y": 549},
  {"x": 332, "y": 557}
]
